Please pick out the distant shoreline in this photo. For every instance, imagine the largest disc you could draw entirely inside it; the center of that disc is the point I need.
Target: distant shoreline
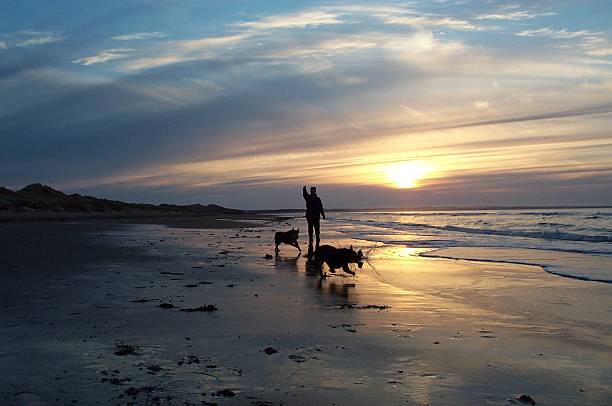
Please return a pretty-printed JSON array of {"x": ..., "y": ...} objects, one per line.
[{"x": 229, "y": 220}]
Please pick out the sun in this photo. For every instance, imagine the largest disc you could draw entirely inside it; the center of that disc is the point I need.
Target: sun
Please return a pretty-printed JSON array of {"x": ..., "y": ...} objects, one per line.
[{"x": 405, "y": 175}]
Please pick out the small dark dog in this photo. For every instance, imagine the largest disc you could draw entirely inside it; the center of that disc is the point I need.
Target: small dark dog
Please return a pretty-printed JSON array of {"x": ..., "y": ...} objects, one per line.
[
  {"x": 339, "y": 258},
  {"x": 287, "y": 237}
]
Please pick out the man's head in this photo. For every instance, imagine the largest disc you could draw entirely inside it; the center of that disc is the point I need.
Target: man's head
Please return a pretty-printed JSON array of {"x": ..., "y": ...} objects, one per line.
[{"x": 313, "y": 190}]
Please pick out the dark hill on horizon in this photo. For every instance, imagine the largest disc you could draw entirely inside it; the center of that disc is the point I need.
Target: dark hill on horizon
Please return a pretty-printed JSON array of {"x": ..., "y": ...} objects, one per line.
[{"x": 38, "y": 198}]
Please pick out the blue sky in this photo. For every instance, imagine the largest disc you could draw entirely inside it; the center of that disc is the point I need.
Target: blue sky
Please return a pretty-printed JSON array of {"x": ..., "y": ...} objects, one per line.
[{"x": 380, "y": 104}]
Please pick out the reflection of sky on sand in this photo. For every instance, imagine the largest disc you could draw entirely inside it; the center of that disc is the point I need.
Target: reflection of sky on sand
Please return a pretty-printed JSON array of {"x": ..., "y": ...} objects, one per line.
[
  {"x": 486, "y": 338},
  {"x": 498, "y": 294}
]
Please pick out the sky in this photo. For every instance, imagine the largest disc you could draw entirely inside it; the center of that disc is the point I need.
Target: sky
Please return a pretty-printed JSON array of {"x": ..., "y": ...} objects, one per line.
[{"x": 241, "y": 103}]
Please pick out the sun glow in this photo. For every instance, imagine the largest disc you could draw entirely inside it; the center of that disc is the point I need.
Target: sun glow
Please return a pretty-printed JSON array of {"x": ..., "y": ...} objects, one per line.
[{"x": 405, "y": 175}]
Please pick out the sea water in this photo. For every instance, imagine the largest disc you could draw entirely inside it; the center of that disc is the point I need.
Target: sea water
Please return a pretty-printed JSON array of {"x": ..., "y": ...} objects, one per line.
[{"x": 586, "y": 232}]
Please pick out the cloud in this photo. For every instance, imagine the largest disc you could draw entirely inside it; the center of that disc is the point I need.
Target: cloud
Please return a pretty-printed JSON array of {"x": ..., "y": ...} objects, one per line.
[
  {"x": 140, "y": 36},
  {"x": 431, "y": 21},
  {"x": 600, "y": 51},
  {"x": 397, "y": 15},
  {"x": 152, "y": 62},
  {"x": 294, "y": 20},
  {"x": 258, "y": 38},
  {"x": 104, "y": 56},
  {"x": 38, "y": 41},
  {"x": 26, "y": 38},
  {"x": 209, "y": 42},
  {"x": 551, "y": 33},
  {"x": 481, "y": 104},
  {"x": 174, "y": 52},
  {"x": 593, "y": 43},
  {"x": 514, "y": 15}
]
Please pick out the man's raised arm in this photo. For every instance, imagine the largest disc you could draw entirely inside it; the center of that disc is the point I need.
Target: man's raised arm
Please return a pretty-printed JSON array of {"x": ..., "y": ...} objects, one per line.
[{"x": 304, "y": 193}]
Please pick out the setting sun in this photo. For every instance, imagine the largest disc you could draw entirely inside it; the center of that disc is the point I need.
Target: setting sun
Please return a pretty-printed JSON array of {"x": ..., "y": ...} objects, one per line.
[{"x": 405, "y": 175}]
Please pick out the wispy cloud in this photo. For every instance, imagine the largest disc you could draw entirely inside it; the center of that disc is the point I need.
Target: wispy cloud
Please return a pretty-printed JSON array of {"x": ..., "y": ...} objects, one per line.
[
  {"x": 432, "y": 21},
  {"x": 26, "y": 38},
  {"x": 552, "y": 33},
  {"x": 399, "y": 15},
  {"x": 208, "y": 42},
  {"x": 140, "y": 36},
  {"x": 38, "y": 41},
  {"x": 592, "y": 43},
  {"x": 104, "y": 56},
  {"x": 139, "y": 64},
  {"x": 294, "y": 20},
  {"x": 183, "y": 51},
  {"x": 481, "y": 104},
  {"x": 514, "y": 15},
  {"x": 599, "y": 50}
]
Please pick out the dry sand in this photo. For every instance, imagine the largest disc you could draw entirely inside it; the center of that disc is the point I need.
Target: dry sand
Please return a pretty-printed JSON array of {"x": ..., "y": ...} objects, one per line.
[{"x": 406, "y": 330}]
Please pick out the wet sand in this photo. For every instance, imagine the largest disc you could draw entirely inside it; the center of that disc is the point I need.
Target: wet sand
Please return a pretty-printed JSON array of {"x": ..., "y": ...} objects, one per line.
[{"x": 406, "y": 330}]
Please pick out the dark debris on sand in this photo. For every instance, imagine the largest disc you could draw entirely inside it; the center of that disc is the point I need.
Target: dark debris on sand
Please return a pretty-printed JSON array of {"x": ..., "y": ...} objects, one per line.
[
  {"x": 189, "y": 359},
  {"x": 122, "y": 349},
  {"x": 270, "y": 350},
  {"x": 355, "y": 306},
  {"x": 166, "y": 306},
  {"x": 523, "y": 399},
  {"x": 297, "y": 358},
  {"x": 224, "y": 392},
  {"x": 205, "y": 308},
  {"x": 142, "y": 300}
]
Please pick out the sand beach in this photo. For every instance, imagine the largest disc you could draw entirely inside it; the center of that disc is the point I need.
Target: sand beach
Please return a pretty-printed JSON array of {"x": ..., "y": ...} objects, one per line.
[{"x": 108, "y": 313}]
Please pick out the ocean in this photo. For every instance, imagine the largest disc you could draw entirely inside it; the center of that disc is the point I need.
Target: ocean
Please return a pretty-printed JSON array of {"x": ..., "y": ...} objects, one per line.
[{"x": 574, "y": 243}]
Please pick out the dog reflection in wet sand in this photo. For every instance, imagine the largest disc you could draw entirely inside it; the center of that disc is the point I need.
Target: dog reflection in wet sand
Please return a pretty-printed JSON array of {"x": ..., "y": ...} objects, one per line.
[{"x": 336, "y": 258}]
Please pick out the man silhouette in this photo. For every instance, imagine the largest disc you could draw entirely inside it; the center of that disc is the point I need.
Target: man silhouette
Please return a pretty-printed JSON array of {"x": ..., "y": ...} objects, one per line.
[{"x": 314, "y": 208}]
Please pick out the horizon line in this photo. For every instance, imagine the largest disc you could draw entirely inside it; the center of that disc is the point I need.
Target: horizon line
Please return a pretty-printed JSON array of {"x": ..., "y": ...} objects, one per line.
[{"x": 433, "y": 208}]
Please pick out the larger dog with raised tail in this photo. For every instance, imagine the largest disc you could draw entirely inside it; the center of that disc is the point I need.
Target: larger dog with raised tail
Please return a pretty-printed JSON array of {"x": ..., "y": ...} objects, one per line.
[{"x": 339, "y": 258}]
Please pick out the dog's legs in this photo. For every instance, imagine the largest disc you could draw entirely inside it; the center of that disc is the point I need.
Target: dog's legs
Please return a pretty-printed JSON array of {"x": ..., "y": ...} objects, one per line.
[
  {"x": 346, "y": 269},
  {"x": 276, "y": 249},
  {"x": 296, "y": 245}
]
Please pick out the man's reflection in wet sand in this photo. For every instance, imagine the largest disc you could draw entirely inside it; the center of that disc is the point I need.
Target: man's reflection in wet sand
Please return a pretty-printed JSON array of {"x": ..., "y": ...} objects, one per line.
[
  {"x": 331, "y": 288},
  {"x": 289, "y": 263},
  {"x": 314, "y": 267}
]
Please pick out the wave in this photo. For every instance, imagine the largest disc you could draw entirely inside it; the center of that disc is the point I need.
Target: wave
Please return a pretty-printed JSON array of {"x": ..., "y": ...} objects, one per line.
[
  {"x": 438, "y": 243},
  {"x": 540, "y": 234},
  {"x": 545, "y": 235}
]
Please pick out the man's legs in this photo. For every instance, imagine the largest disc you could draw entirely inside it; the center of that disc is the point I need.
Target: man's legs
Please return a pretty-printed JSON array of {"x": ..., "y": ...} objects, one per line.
[
  {"x": 310, "y": 229},
  {"x": 317, "y": 229}
]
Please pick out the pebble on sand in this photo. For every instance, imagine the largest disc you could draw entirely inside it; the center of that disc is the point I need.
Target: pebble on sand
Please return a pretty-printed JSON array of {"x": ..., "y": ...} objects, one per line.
[
  {"x": 166, "y": 306},
  {"x": 525, "y": 399}
]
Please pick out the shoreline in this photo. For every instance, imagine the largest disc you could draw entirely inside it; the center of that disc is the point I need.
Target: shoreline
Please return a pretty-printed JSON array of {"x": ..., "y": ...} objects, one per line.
[{"x": 548, "y": 260}]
